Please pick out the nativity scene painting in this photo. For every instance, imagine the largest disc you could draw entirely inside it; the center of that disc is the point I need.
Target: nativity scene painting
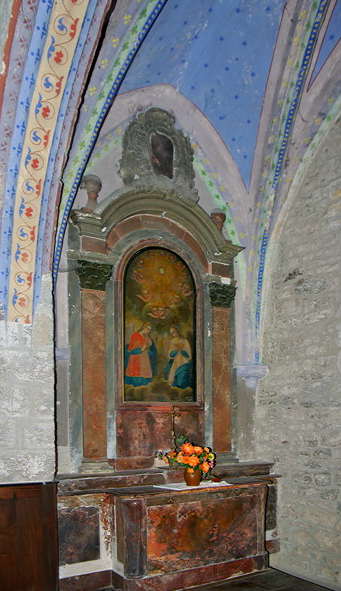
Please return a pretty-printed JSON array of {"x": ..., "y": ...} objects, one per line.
[{"x": 159, "y": 328}]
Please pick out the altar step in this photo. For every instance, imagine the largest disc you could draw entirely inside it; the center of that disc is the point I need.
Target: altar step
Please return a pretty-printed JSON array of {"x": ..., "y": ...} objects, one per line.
[{"x": 270, "y": 580}]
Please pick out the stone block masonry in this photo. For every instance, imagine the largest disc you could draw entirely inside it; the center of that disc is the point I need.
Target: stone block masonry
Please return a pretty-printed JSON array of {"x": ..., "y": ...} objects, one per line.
[{"x": 298, "y": 408}]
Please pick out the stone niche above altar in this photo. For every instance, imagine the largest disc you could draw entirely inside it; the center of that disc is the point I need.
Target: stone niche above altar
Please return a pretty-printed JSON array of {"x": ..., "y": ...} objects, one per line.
[{"x": 151, "y": 285}]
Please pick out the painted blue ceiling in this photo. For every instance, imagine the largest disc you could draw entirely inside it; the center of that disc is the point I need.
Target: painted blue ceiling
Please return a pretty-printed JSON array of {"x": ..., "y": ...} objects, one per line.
[
  {"x": 331, "y": 38},
  {"x": 217, "y": 53}
]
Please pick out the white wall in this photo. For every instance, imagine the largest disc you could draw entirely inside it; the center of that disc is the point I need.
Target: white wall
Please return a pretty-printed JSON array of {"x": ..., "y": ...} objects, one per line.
[
  {"x": 27, "y": 425},
  {"x": 298, "y": 404}
]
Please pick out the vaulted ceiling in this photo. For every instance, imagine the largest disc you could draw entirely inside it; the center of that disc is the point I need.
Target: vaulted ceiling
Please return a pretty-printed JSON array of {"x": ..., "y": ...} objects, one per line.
[
  {"x": 254, "y": 83},
  {"x": 218, "y": 55}
]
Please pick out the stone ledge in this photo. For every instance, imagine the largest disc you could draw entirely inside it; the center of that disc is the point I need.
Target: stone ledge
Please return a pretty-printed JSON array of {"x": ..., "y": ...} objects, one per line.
[{"x": 71, "y": 483}]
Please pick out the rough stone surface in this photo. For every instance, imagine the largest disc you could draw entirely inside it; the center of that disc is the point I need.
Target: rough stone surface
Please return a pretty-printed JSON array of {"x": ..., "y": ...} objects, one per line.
[
  {"x": 27, "y": 427},
  {"x": 298, "y": 404}
]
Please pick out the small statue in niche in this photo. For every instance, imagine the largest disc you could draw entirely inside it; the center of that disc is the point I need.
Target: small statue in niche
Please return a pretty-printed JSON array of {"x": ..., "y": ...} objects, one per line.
[{"x": 161, "y": 153}]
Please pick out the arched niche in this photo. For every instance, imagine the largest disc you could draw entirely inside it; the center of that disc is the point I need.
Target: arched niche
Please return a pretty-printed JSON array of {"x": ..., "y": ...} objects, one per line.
[{"x": 108, "y": 431}]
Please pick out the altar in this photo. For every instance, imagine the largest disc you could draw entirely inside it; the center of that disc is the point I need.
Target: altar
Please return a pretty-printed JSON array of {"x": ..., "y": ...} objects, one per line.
[
  {"x": 168, "y": 537},
  {"x": 177, "y": 539}
]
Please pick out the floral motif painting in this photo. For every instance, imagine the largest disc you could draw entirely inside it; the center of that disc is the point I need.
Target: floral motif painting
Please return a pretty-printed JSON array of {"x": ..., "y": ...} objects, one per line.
[{"x": 159, "y": 328}]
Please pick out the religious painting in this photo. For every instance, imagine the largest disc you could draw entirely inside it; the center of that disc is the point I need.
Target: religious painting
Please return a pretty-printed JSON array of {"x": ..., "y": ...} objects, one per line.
[{"x": 159, "y": 328}]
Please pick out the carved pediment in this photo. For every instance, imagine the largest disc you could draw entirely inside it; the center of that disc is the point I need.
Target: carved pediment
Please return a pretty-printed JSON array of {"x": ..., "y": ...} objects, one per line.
[{"x": 156, "y": 154}]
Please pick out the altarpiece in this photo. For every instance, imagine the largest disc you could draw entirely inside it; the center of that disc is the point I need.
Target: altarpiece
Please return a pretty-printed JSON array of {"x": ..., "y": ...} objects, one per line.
[{"x": 151, "y": 287}]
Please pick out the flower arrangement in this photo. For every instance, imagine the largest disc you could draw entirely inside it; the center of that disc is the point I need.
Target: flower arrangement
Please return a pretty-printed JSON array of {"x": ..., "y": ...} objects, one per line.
[{"x": 190, "y": 456}]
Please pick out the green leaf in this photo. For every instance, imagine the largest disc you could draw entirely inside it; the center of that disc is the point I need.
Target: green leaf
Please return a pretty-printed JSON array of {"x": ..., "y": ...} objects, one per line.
[{"x": 179, "y": 440}]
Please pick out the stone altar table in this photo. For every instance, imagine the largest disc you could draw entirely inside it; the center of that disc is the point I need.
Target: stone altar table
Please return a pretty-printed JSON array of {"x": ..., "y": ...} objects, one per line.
[
  {"x": 168, "y": 540},
  {"x": 102, "y": 533}
]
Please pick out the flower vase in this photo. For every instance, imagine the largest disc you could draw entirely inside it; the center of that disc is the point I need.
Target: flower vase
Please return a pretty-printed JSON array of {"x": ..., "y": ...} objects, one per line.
[{"x": 192, "y": 479}]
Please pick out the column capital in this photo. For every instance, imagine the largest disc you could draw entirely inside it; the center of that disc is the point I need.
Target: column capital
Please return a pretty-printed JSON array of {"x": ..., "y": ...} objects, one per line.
[
  {"x": 93, "y": 275},
  {"x": 252, "y": 374},
  {"x": 221, "y": 295}
]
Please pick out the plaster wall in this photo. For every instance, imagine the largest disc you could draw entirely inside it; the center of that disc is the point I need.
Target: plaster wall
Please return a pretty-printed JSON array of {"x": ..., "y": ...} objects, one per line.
[
  {"x": 298, "y": 405},
  {"x": 27, "y": 428},
  {"x": 5, "y": 15}
]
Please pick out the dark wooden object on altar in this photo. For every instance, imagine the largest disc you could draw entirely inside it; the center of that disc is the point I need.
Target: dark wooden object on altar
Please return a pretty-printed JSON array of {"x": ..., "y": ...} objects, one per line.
[{"x": 28, "y": 537}]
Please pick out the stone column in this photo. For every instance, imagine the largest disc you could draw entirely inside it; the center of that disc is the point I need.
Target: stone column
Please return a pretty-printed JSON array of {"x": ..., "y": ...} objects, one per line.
[
  {"x": 221, "y": 297},
  {"x": 135, "y": 538},
  {"x": 93, "y": 279}
]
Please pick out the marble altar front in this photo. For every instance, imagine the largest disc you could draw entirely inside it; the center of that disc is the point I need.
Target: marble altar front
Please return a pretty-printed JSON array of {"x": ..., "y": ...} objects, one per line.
[
  {"x": 133, "y": 531},
  {"x": 158, "y": 538}
]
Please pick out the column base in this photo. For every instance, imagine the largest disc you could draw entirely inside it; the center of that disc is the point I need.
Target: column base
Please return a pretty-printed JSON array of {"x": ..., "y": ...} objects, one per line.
[{"x": 95, "y": 467}]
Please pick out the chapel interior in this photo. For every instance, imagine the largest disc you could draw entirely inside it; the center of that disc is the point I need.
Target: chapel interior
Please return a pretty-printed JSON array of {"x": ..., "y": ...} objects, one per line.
[{"x": 170, "y": 176}]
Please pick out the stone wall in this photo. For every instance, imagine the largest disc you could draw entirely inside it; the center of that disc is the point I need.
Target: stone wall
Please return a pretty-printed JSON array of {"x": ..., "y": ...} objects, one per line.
[
  {"x": 298, "y": 404},
  {"x": 27, "y": 427}
]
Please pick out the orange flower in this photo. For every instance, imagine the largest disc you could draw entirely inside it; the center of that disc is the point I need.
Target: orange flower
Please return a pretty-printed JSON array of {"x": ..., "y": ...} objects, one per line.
[
  {"x": 190, "y": 470},
  {"x": 186, "y": 460},
  {"x": 204, "y": 467},
  {"x": 180, "y": 458},
  {"x": 206, "y": 449},
  {"x": 187, "y": 448},
  {"x": 193, "y": 460},
  {"x": 172, "y": 454},
  {"x": 197, "y": 449}
]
